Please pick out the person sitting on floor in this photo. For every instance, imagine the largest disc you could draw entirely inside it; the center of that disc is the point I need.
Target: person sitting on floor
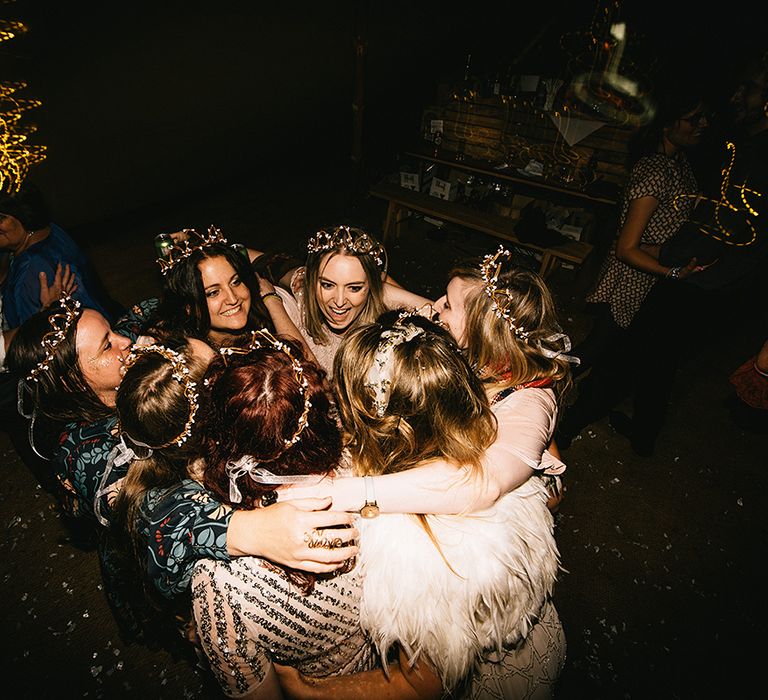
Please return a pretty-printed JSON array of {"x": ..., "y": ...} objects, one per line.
[{"x": 38, "y": 246}]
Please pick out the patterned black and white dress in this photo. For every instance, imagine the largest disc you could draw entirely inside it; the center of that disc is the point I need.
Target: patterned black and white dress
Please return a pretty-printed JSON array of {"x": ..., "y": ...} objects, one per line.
[{"x": 665, "y": 179}]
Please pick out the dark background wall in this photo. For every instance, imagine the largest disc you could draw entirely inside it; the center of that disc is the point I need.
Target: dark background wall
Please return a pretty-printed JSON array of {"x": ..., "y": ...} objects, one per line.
[{"x": 148, "y": 101}]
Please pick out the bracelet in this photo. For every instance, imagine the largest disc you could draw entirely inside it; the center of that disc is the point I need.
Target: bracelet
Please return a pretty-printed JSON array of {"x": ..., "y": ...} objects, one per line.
[
  {"x": 271, "y": 294},
  {"x": 758, "y": 370},
  {"x": 371, "y": 507},
  {"x": 674, "y": 273}
]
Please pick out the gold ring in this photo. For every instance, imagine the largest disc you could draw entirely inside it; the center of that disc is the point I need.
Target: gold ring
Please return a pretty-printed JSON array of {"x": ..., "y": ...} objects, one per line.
[{"x": 316, "y": 540}]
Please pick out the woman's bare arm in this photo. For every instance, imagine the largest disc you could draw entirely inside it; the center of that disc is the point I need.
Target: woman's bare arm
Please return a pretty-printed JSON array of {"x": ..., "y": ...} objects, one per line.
[
  {"x": 396, "y": 297},
  {"x": 524, "y": 431},
  {"x": 284, "y": 326},
  {"x": 405, "y": 682},
  {"x": 629, "y": 248}
]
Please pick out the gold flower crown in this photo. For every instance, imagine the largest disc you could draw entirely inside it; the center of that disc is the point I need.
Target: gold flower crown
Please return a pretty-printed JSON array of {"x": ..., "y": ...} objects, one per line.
[
  {"x": 263, "y": 338},
  {"x": 248, "y": 464},
  {"x": 60, "y": 322},
  {"x": 352, "y": 239},
  {"x": 182, "y": 250},
  {"x": 501, "y": 299},
  {"x": 181, "y": 375}
]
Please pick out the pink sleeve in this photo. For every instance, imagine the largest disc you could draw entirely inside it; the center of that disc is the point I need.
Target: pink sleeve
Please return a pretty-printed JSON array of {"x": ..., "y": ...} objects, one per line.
[{"x": 526, "y": 421}]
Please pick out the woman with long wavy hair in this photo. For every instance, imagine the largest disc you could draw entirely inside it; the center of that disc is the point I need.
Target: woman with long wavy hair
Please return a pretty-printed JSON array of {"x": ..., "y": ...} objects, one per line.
[
  {"x": 343, "y": 285},
  {"x": 472, "y": 592}
]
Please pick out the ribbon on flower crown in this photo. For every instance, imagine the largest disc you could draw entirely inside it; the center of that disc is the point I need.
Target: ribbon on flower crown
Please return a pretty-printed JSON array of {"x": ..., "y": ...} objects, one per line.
[
  {"x": 379, "y": 376},
  {"x": 552, "y": 354},
  {"x": 122, "y": 453},
  {"x": 250, "y": 466}
]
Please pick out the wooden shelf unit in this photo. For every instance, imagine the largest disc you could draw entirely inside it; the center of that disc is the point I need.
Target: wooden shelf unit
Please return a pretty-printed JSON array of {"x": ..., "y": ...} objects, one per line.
[{"x": 402, "y": 201}]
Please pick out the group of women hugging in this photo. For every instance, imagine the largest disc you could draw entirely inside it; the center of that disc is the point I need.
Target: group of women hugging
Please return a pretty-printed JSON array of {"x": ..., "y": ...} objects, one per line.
[{"x": 337, "y": 487}]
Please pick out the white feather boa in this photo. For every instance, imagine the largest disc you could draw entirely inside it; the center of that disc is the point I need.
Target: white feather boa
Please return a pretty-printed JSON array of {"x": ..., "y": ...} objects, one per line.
[{"x": 504, "y": 562}]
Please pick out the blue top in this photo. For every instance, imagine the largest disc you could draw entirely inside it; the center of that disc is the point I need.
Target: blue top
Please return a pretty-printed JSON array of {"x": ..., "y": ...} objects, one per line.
[
  {"x": 21, "y": 290},
  {"x": 182, "y": 522}
]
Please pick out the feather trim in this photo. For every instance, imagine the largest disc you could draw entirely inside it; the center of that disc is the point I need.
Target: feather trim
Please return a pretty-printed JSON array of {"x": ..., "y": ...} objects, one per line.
[{"x": 504, "y": 564}]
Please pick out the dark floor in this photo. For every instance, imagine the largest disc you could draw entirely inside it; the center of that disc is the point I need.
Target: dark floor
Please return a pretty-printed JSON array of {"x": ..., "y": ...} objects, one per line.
[{"x": 661, "y": 594}]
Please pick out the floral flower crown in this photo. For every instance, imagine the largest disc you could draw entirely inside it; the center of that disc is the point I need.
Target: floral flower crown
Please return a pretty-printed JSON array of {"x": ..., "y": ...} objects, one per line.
[
  {"x": 352, "y": 239},
  {"x": 501, "y": 299},
  {"x": 181, "y": 375},
  {"x": 182, "y": 250},
  {"x": 263, "y": 338},
  {"x": 60, "y": 322},
  {"x": 248, "y": 464}
]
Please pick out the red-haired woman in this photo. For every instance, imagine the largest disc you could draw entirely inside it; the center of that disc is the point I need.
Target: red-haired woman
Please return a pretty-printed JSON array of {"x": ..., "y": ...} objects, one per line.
[{"x": 269, "y": 422}]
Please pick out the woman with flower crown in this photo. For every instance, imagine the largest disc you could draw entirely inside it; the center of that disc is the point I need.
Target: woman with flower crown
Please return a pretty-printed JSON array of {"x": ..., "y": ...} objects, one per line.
[
  {"x": 504, "y": 319},
  {"x": 342, "y": 286},
  {"x": 72, "y": 362},
  {"x": 210, "y": 292},
  {"x": 176, "y": 404},
  {"x": 269, "y": 420},
  {"x": 472, "y": 592}
]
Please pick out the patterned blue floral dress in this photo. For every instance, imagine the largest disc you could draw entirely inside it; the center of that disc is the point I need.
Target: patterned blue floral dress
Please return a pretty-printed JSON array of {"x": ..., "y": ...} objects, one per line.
[{"x": 182, "y": 523}]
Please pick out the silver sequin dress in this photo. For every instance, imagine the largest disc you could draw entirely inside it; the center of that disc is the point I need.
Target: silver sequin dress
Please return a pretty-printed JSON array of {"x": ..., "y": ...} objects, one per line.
[{"x": 248, "y": 613}]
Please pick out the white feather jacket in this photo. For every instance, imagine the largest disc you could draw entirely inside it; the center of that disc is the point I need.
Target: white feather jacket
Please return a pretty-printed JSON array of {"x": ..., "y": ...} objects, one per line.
[{"x": 503, "y": 566}]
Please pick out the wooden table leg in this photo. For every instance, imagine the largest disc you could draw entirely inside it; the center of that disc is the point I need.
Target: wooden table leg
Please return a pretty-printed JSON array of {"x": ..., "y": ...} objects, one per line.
[
  {"x": 548, "y": 263},
  {"x": 389, "y": 220},
  {"x": 401, "y": 214}
]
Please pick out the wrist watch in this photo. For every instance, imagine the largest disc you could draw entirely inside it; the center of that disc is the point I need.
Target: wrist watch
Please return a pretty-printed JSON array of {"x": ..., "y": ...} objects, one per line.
[{"x": 371, "y": 508}]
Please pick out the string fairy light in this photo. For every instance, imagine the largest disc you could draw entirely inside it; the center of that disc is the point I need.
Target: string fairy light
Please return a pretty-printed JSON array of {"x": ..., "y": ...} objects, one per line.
[
  {"x": 16, "y": 154},
  {"x": 745, "y": 210}
]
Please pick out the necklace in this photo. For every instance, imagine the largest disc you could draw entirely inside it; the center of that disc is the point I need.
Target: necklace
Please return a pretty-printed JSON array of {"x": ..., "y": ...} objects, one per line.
[
  {"x": 536, "y": 383},
  {"x": 25, "y": 243}
]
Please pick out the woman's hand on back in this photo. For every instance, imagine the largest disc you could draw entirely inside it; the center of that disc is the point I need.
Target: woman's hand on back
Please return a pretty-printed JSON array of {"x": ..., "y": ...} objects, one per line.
[
  {"x": 265, "y": 286},
  {"x": 283, "y": 532},
  {"x": 63, "y": 283}
]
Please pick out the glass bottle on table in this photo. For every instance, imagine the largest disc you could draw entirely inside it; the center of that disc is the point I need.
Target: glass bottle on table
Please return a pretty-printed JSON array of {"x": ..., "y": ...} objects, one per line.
[
  {"x": 496, "y": 85},
  {"x": 163, "y": 245},
  {"x": 438, "y": 140},
  {"x": 466, "y": 92}
]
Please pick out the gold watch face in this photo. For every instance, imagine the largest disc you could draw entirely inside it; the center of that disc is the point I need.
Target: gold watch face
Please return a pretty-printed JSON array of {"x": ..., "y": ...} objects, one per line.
[{"x": 370, "y": 510}]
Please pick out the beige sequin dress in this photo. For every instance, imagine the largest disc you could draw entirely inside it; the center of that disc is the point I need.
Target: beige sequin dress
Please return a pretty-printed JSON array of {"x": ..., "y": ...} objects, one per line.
[{"x": 248, "y": 613}]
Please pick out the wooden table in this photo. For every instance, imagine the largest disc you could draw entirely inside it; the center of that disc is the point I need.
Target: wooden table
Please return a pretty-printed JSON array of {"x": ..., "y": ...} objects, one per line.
[{"x": 401, "y": 201}]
